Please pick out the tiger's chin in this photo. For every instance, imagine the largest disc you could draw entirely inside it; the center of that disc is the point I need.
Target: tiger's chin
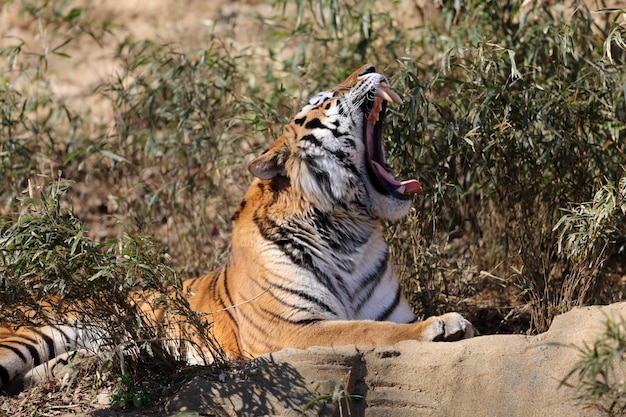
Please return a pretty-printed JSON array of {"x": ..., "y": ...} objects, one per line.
[{"x": 387, "y": 207}]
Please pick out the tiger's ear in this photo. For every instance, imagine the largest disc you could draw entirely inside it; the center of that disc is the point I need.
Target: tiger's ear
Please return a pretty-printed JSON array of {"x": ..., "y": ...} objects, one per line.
[{"x": 272, "y": 162}]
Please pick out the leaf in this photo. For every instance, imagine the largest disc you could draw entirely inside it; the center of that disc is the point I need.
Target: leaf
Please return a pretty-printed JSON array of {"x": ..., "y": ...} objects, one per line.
[
  {"x": 113, "y": 156},
  {"x": 74, "y": 13}
]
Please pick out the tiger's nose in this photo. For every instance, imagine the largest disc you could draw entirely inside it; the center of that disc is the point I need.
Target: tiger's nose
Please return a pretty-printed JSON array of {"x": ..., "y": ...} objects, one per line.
[{"x": 367, "y": 69}]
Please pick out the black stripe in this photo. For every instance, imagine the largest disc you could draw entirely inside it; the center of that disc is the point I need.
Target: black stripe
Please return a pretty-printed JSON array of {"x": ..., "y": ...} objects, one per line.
[
  {"x": 313, "y": 139},
  {"x": 341, "y": 285},
  {"x": 349, "y": 141},
  {"x": 290, "y": 305},
  {"x": 212, "y": 287},
  {"x": 299, "y": 322},
  {"x": 335, "y": 235},
  {"x": 371, "y": 282},
  {"x": 226, "y": 306},
  {"x": 32, "y": 349},
  {"x": 4, "y": 378},
  {"x": 339, "y": 155},
  {"x": 315, "y": 124},
  {"x": 306, "y": 296},
  {"x": 390, "y": 309},
  {"x": 242, "y": 206},
  {"x": 349, "y": 166},
  {"x": 225, "y": 284},
  {"x": 299, "y": 121},
  {"x": 334, "y": 129},
  {"x": 49, "y": 341},
  {"x": 286, "y": 240},
  {"x": 305, "y": 322},
  {"x": 341, "y": 108},
  {"x": 63, "y": 361},
  {"x": 323, "y": 179},
  {"x": 15, "y": 350},
  {"x": 264, "y": 330},
  {"x": 34, "y": 353}
]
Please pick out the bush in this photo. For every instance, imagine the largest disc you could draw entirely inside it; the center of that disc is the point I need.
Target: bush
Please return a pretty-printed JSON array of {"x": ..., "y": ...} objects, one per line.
[
  {"x": 52, "y": 271},
  {"x": 600, "y": 385},
  {"x": 516, "y": 115}
]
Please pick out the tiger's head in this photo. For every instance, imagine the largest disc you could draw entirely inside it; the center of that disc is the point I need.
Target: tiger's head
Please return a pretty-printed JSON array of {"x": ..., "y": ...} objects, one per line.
[{"x": 332, "y": 150}]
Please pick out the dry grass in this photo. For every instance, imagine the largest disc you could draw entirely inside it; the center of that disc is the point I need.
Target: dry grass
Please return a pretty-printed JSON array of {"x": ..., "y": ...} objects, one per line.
[{"x": 513, "y": 119}]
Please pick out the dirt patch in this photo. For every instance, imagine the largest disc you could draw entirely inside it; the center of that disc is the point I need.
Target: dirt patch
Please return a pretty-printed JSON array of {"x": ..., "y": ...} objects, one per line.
[
  {"x": 88, "y": 63},
  {"x": 56, "y": 399}
]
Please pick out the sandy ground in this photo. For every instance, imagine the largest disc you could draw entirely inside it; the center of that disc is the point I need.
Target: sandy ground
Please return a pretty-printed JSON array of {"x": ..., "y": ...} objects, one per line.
[{"x": 188, "y": 23}]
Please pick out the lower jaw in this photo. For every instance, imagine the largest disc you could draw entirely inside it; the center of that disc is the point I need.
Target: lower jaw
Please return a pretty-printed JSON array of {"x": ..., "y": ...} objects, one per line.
[{"x": 384, "y": 189}]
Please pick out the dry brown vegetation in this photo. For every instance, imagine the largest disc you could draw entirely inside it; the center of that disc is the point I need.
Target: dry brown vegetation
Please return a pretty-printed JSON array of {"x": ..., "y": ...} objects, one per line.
[{"x": 125, "y": 129}]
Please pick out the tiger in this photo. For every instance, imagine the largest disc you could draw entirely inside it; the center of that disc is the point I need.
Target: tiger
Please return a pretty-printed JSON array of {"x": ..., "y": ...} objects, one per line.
[{"x": 309, "y": 264}]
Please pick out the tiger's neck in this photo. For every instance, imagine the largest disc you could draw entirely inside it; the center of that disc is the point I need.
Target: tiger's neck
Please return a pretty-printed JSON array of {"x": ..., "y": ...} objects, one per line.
[{"x": 282, "y": 213}]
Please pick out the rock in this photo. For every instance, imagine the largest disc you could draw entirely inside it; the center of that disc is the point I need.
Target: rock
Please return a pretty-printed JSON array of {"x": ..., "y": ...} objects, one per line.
[
  {"x": 502, "y": 375},
  {"x": 104, "y": 398},
  {"x": 279, "y": 384}
]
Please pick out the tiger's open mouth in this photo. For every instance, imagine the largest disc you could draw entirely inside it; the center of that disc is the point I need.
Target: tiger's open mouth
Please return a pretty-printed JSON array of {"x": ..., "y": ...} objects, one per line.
[{"x": 377, "y": 168}]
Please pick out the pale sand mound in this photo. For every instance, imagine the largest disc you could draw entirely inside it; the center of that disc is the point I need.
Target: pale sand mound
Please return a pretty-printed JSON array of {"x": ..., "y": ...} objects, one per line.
[{"x": 502, "y": 375}]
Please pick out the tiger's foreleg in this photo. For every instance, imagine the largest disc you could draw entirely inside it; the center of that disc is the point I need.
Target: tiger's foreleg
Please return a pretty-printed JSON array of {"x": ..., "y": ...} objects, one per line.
[{"x": 447, "y": 327}]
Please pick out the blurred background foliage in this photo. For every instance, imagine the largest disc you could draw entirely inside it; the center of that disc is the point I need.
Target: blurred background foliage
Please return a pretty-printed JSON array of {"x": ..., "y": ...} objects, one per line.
[{"x": 514, "y": 121}]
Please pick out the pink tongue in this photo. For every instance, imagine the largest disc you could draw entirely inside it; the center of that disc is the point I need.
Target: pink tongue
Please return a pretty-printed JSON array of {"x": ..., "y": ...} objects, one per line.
[{"x": 410, "y": 186}]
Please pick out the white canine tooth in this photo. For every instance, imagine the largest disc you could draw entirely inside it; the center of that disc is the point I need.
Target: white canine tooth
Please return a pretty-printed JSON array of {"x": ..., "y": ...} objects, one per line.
[
  {"x": 400, "y": 189},
  {"x": 385, "y": 96}
]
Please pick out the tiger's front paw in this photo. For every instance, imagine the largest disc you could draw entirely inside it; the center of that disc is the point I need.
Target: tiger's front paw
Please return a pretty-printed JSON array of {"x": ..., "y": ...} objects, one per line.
[{"x": 449, "y": 327}]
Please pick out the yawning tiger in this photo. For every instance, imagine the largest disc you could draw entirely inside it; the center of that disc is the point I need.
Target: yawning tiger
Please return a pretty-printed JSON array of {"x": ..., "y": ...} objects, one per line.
[{"x": 309, "y": 264}]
